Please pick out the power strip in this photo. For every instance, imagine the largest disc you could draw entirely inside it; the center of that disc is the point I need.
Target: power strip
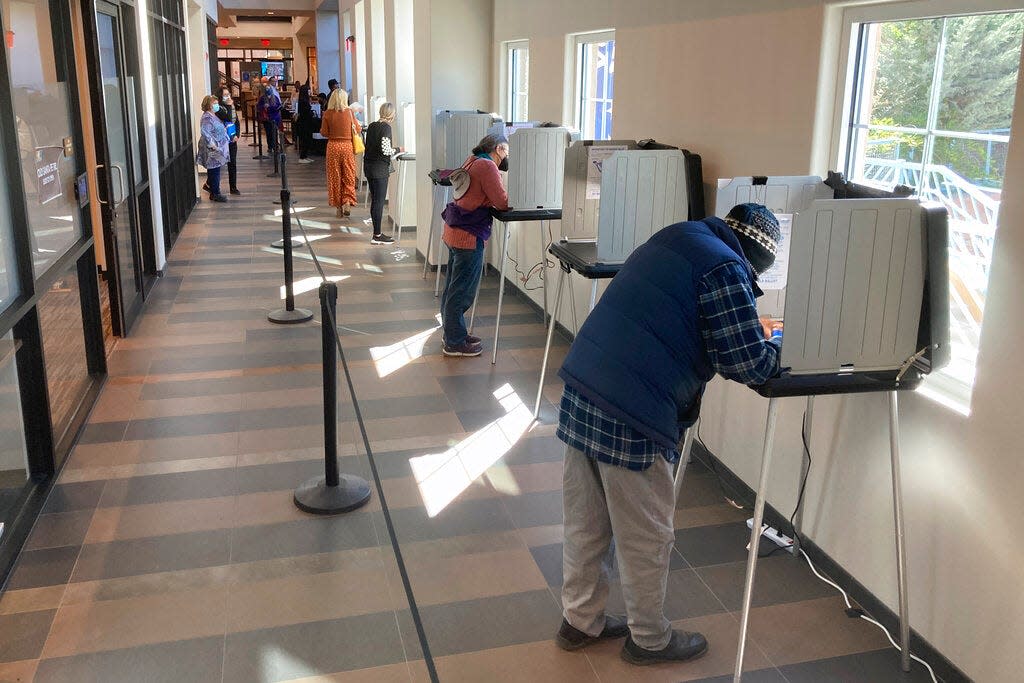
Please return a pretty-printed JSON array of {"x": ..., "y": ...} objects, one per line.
[{"x": 774, "y": 535}]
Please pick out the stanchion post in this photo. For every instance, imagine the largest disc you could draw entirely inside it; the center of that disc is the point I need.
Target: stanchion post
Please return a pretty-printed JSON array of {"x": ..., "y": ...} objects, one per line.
[
  {"x": 289, "y": 314},
  {"x": 334, "y": 492},
  {"x": 258, "y": 126}
]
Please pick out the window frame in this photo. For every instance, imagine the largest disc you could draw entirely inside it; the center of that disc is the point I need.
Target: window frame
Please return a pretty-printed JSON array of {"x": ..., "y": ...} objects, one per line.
[
  {"x": 940, "y": 386},
  {"x": 509, "y": 80},
  {"x": 579, "y": 41}
]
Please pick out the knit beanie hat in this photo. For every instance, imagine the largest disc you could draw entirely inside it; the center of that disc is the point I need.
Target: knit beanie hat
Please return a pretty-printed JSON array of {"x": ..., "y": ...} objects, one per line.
[{"x": 757, "y": 230}]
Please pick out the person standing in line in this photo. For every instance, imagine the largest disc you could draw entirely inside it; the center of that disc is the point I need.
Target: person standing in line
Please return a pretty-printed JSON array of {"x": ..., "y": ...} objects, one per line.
[
  {"x": 332, "y": 85},
  {"x": 339, "y": 126},
  {"x": 272, "y": 112},
  {"x": 681, "y": 309},
  {"x": 229, "y": 117},
  {"x": 213, "y": 152},
  {"x": 377, "y": 163},
  {"x": 467, "y": 226},
  {"x": 304, "y": 125}
]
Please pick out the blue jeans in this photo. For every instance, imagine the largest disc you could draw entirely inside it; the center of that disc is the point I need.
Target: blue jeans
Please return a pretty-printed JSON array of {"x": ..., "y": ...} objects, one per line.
[
  {"x": 464, "y": 267},
  {"x": 213, "y": 180}
]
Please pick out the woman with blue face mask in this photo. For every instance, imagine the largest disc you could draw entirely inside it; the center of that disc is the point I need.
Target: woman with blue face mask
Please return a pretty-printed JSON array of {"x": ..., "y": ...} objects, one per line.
[
  {"x": 227, "y": 114},
  {"x": 213, "y": 152}
]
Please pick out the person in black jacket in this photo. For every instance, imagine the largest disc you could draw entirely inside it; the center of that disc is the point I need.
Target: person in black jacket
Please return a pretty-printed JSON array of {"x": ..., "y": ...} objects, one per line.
[
  {"x": 229, "y": 117},
  {"x": 377, "y": 165},
  {"x": 304, "y": 125}
]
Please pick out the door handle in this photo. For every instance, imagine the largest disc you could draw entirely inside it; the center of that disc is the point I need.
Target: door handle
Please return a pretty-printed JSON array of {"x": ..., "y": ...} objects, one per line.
[
  {"x": 105, "y": 203},
  {"x": 120, "y": 182}
]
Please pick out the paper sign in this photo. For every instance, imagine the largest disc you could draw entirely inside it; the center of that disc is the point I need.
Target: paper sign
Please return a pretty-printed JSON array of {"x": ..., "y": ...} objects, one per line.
[
  {"x": 48, "y": 173},
  {"x": 596, "y": 156},
  {"x": 775, "y": 277}
]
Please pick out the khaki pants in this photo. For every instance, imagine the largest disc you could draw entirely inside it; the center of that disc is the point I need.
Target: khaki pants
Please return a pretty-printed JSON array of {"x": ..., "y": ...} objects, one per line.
[{"x": 637, "y": 509}]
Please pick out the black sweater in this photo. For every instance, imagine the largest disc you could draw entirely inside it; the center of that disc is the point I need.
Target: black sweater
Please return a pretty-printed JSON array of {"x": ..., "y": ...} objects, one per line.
[{"x": 377, "y": 158}]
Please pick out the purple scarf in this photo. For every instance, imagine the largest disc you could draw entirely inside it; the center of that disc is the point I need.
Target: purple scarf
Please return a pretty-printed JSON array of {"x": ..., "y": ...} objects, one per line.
[{"x": 476, "y": 222}]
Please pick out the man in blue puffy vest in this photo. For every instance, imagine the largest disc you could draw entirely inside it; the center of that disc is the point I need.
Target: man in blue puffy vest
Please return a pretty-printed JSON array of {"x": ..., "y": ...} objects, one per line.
[{"x": 681, "y": 309}]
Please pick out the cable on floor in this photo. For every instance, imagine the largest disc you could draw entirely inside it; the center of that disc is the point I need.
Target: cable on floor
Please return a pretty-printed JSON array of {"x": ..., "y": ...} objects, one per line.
[{"x": 403, "y": 572}]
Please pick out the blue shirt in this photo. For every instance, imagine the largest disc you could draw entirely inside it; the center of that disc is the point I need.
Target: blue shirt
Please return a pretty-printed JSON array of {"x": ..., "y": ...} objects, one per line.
[{"x": 735, "y": 343}]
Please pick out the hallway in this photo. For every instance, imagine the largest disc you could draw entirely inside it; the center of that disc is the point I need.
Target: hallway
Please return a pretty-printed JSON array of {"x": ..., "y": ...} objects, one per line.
[{"x": 171, "y": 550}]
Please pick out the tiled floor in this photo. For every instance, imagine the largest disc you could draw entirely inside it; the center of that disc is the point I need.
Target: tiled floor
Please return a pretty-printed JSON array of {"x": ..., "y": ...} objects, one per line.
[{"x": 171, "y": 550}]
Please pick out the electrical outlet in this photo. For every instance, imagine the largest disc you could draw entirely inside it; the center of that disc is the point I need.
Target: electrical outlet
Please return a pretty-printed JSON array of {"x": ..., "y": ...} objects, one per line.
[{"x": 774, "y": 535}]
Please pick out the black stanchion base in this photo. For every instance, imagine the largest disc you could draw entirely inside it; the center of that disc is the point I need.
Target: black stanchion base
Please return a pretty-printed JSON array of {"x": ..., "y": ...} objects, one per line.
[
  {"x": 261, "y": 157},
  {"x": 280, "y": 244},
  {"x": 275, "y": 174},
  {"x": 283, "y": 316},
  {"x": 317, "y": 498},
  {"x": 278, "y": 202}
]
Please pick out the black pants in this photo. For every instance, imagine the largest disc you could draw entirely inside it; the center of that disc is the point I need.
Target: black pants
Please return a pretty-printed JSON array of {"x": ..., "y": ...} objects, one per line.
[
  {"x": 378, "y": 193},
  {"x": 233, "y": 167},
  {"x": 303, "y": 131}
]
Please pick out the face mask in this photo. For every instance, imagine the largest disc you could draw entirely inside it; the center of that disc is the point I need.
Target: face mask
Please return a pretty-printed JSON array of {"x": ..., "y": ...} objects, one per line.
[
  {"x": 216, "y": 107},
  {"x": 503, "y": 166}
]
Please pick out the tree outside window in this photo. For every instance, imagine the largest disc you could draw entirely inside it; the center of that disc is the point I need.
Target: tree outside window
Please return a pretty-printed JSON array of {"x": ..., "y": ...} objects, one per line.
[{"x": 933, "y": 102}]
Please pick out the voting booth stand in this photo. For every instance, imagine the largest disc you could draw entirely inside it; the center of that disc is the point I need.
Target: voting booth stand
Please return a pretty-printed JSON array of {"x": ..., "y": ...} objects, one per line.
[
  {"x": 536, "y": 168},
  {"x": 866, "y": 309},
  {"x": 615, "y": 195},
  {"x": 455, "y": 134}
]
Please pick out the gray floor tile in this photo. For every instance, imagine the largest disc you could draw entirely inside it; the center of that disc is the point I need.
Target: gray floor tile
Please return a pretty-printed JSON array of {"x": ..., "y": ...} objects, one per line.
[
  {"x": 150, "y": 555},
  {"x": 549, "y": 560},
  {"x": 780, "y": 578},
  {"x": 490, "y": 622},
  {"x": 24, "y": 634},
  {"x": 103, "y": 432},
  {"x": 38, "y": 568},
  {"x": 70, "y": 497},
  {"x": 533, "y": 450},
  {"x": 458, "y": 519},
  {"x": 163, "y": 488},
  {"x": 183, "y": 425},
  {"x": 688, "y": 597},
  {"x": 306, "y": 537},
  {"x": 288, "y": 652},
  {"x": 187, "y": 661},
  {"x": 535, "y": 509},
  {"x": 759, "y": 676},
  {"x": 880, "y": 666},
  {"x": 718, "y": 544}
]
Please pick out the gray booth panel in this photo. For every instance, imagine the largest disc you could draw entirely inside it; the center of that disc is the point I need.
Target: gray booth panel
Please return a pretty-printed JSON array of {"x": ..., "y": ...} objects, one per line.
[
  {"x": 642, "y": 191},
  {"x": 580, "y": 212},
  {"x": 536, "y": 167}
]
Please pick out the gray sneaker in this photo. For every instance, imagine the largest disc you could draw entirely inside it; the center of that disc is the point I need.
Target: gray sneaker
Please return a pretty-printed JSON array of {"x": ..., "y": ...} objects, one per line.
[
  {"x": 463, "y": 349},
  {"x": 682, "y": 647}
]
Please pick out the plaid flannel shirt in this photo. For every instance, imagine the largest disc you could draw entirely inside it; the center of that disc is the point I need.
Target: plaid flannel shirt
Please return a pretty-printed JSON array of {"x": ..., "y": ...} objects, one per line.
[{"x": 736, "y": 347}]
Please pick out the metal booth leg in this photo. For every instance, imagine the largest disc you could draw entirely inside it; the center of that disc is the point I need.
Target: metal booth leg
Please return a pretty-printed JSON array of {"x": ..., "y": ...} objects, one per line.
[
  {"x": 501, "y": 291},
  {"x": 544, "y": 272},
  {"x": 806, "y": 435},
  {"x": 479, "y": 286},
  {"x": 593, "y": 294},
  {"x": 547, "y": 346},
  {"x": 437, "y": 275},
  {"x": 755, "y": 535},
  {"x": 572, "y": 302},
  {"x": 684, "y": 457},
  {"x": 901, "y": 546},
  {"x": 430, "y": 242}
]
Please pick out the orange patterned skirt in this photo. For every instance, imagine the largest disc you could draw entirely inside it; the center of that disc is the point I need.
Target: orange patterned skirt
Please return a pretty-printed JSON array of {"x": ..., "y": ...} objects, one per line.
[{"x": 341, "y": 173}]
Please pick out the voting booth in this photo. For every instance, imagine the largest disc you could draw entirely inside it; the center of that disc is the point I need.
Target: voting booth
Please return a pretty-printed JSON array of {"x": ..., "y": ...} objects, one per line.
[
  {"x": 535, "y": 172},
  {"x": 454, "y": 135},
  {"x": 863, "y": 289},
  {"x": 401, "y": 188},
  {"x": 615, "y": 195}
]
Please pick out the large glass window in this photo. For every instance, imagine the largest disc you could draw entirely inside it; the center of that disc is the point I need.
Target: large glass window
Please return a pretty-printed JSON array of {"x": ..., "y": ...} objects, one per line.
[
  {"x": 9, "y": 288},
  {"x": 67, "y": 370},
  {"x": 41, "y": 106},
  {"x": 594, "y": 86},
  {"x": 518, "y": 79},
  {"x": 14, "y": 471},
  {"x": 932, "y": 105}
]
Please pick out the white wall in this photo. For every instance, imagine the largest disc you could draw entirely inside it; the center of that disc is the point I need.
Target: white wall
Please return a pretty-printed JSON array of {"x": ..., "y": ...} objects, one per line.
[
  {"x": 453, "y": 40},
  {"x": 751, "y": 87}
]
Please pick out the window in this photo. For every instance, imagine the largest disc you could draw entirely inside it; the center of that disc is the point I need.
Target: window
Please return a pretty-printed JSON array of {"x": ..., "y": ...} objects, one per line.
[
  {"x": 517, "y": 78},
  {"x": 932, "y": 100},
  {"x": 594, "y": 88}
]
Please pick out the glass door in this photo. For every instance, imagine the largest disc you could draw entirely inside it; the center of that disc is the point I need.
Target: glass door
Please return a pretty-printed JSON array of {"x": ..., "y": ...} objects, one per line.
[{"x": 120, "y": 212}]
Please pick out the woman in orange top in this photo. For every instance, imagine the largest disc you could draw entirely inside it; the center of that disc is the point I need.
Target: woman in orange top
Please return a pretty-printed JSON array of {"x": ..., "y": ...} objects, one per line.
[{"x": 338, "y": 125}]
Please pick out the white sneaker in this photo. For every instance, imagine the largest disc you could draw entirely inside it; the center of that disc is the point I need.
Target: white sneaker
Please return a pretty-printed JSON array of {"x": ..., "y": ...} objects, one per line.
[{"x": 305, "y": 161}]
